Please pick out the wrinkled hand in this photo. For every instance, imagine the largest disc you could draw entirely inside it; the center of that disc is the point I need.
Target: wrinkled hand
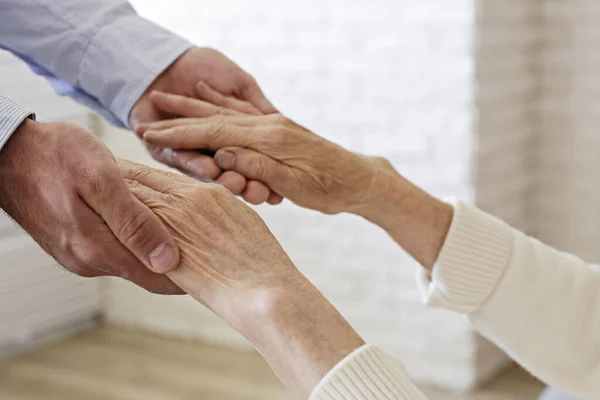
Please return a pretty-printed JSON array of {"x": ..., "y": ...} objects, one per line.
[
  {"x": 182, "y": 77},
  {"x": 63, "y": 186},
  {"x": 231, "y": 263},
  {"x": 291, "y": 160},
  {"x": 227, "y": 252}
]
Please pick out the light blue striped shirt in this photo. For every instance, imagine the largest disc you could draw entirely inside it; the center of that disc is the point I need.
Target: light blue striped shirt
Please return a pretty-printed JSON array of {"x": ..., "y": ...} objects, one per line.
[{"x": 99, "y": 52}]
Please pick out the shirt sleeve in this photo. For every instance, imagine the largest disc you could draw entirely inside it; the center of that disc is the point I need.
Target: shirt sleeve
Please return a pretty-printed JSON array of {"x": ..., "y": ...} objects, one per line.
[
  {"x": 12, "y": 115},
  {"x": 540, "y": 305},
  {"x": 101, "y": 53},
  {"x": 368, "y": 373}
]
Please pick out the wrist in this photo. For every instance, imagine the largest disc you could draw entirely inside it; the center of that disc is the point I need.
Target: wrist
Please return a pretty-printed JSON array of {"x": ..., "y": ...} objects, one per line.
[
  {"x": 416, "y": 220},
  {"x": 300, "y": 334}
]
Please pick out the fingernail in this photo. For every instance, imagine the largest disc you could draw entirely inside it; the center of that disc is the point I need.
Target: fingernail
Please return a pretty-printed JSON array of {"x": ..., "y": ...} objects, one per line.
[
  {"x": 141, "y": 127},
  {"x": 162, "y": 258},
  {"x": 196, "y": 167},
  {"x": 158, "y": 93},
  {"x": 225, "y": 159},
  {"x": 150, "y": 134}
]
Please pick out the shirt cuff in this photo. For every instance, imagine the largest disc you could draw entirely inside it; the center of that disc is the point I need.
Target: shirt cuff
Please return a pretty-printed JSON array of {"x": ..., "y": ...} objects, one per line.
[
  {"x": 471, "y": 262},
  {"x": 124, "y": 58},
  {"x": 12, "y": 115},
  {"x": 367, "y": 373}
]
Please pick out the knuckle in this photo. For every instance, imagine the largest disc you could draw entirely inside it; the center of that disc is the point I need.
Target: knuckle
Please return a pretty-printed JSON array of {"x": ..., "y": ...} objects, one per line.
[
  {"x": 259, "y": 166},
  {"x": 219, "y": 125},
  {"x": 88, "y": 261},
  {"x": 250, "y": 80},
  {"x": 280, "y": 119},
  {"x": 95, "y": 178},
  {"x": 217, "y": 192},
  {"x": 276, "y": 135},
  {"x": 220, "y": 111},
  {"x": 136, "y": 230}
]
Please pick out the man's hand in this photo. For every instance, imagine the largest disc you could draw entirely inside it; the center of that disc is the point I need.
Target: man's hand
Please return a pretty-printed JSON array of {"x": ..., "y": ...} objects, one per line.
[
  {"x": 291, "y": 160},
  {"x": 222, "y": 74},
  {"x": 63, "y": 186}
]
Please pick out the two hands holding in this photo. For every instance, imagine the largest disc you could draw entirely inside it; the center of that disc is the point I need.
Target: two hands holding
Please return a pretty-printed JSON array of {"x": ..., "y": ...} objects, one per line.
[
  {"x": 171, "y": 233},
  {"x": 230, "y": 261}
]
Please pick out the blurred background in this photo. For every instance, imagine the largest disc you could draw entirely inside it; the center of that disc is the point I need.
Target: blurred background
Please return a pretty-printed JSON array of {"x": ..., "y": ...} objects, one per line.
[{"x": 493, "y": 102}]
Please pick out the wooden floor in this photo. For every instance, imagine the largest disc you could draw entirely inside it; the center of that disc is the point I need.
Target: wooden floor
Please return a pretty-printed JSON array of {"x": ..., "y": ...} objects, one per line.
[{"x": 116, "y": 364}]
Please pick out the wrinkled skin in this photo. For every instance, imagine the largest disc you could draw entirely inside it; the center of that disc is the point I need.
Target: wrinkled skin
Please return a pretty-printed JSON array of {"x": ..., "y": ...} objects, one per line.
[
  {"x": 231, "y": 263},
  {"x": 227, "y": 79},
  {"x": 291, "y": 160},
  {"x": 227, "y": 252},
  {"x": 63, "y": 186}
]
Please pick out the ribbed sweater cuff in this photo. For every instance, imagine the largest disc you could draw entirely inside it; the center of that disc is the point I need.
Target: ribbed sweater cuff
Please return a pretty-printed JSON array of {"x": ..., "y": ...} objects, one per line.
[
  {"x": 471, "y": 262},
  {"x": 367, "y": 373}
]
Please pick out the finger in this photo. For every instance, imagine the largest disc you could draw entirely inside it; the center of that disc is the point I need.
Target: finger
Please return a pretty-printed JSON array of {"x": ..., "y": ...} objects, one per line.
[
  {"x": 186, "y": 106},
  {"x": 251, "y": 93},
  {"x": 206, "y": 93},
  {"x": 164, "y": 124},
  {"x": 274, "y": 199},
  {"x": 254, "y": 165},
  {"x": 256, "y": 192},
  {"x": 241, "y": 120},
  {"x": 133, "y": 224},
  {"x": 159, "y": 181},
  {"x": 209, "y": 134},
  {"x": 125, "y": 265},
  {"x": 233, "y": 181},
  {"x": 197, "y": 164}
]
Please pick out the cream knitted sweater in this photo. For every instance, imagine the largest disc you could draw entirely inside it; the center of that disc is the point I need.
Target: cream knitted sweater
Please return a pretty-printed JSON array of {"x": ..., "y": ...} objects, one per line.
[{"x": 540, "y": 305}]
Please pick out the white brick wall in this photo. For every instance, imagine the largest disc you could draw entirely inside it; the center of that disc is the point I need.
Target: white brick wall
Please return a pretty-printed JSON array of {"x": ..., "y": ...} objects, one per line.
[{"x": 393, "y": 78}]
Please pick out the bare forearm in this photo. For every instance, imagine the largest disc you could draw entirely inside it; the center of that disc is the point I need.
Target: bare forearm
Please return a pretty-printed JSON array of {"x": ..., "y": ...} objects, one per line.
[
  {"x": 298, "y": 332},
  {"x": 302, "y": 336},
  {"x": 416, "y": 220}
]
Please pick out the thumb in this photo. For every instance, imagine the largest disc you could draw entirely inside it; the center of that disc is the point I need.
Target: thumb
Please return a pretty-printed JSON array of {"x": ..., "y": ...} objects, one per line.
[
  {"x": 253, "y": 165},
  {"x": 252, "y": 93},
  {"x": 135, "y": 226}
]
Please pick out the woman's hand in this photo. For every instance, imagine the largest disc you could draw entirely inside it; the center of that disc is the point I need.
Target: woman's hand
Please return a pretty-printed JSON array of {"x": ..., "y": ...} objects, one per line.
[
  {"x": 309, "y": 170},
  {"x": 291, "y": 160},
  {"x": 223, "y": 242},
  {"x": 231, "y": 263}
]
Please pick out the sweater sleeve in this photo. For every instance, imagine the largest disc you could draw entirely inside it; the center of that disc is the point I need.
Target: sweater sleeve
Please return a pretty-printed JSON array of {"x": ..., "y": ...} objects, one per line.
[
  {"x": 368, "y": 373},
  {"x": 540, "y": 305}
]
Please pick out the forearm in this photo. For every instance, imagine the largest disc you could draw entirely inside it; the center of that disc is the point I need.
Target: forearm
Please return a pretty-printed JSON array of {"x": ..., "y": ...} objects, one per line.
[
  {"x": 298, "y": 332},
  {"x": 101, "y": 53},
  {"x": 309, "y": 345},
  {"x": 538, "y": 304},
  {"x": 417, "y": 221}
]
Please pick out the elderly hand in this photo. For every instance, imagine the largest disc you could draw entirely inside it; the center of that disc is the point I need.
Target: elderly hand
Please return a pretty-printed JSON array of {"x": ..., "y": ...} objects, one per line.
[
  {"x": 231, "y": 263},
  {"x": 63, "y": 186},
  {"x": 224, "y": 244},
  {"x": 209, "y": 65},
  {"x": 291, "y": 160}
]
